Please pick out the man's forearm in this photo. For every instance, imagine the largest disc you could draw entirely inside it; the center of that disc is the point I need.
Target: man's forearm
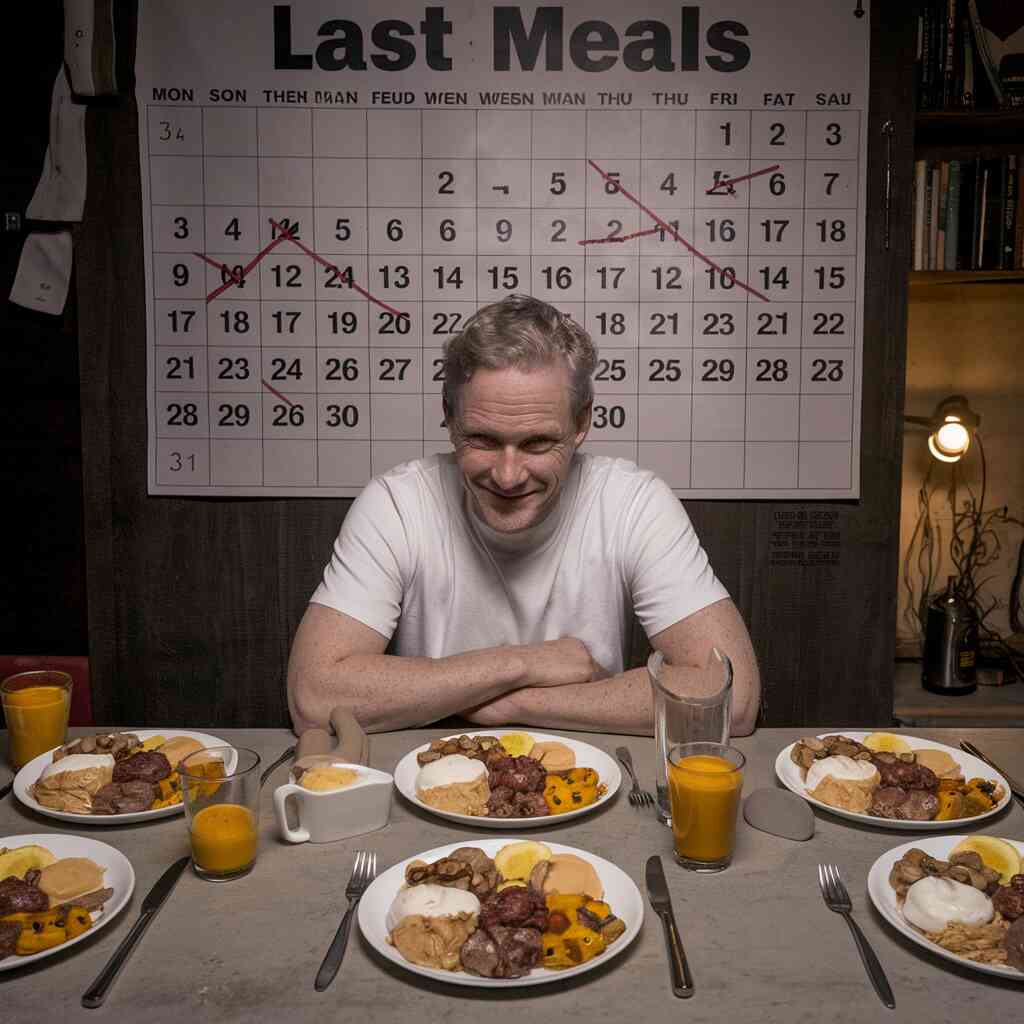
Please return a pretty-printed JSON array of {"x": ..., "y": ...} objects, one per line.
[
  {"x": 387, "y": 692},
  {"x": 619, "y": 704}
]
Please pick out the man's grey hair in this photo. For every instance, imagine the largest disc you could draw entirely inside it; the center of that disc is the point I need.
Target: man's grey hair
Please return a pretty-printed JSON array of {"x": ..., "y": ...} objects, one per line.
[{"x": 525, "y": 333}]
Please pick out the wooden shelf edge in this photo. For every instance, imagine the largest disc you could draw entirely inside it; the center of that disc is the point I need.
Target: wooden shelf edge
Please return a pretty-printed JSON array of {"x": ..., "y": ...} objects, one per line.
[{"x": 930, "y": 277}]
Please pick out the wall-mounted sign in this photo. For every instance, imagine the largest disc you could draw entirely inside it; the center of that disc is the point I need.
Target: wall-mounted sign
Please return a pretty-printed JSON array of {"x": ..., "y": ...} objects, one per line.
[{"x": 330, "y": 191}]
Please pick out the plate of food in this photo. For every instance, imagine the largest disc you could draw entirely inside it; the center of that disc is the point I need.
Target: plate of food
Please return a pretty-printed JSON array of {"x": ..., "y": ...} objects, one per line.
[
  {"x": 961, "y": 897},
  {"x": 55, "y": 890},
  {"x": 892, "y": 781},
  {"x": 507, "y": 779},
  {"x": 111, "y": 778},
  {"x": 494, "y": 913}
]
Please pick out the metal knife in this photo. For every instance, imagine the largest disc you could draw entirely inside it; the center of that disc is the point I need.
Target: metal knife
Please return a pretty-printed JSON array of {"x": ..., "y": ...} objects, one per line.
[
  {"x": 97, "y": 991},
  {"x": 1015, "y": 787},
  {"x": 661, "y": 902}
]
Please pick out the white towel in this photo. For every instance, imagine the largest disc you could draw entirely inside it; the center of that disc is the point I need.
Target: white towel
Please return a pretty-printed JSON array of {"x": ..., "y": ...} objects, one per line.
[
  {"x": 60, "y": 194},
  {"x": 44, "y": 272},
  {"x": 89, "y": 49}
]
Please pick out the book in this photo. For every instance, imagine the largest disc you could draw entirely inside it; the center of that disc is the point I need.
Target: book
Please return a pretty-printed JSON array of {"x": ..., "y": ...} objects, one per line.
[
  {"x": 920, "y": 171},
  {"x": 934, "y": 198},
  {"x": 977, "y": 214},
  {"x": 967, "y": 94},
  {"x": 965, "y": 230},
  {"x": 992, "y": 214},
  {"x": 952, "y": 217},
  {"x": 940, "y": 214},
  {"x": 949, "y": 55},
  {"x": 1018, "y": 247},
  {"x": 1009, "y": 218}
]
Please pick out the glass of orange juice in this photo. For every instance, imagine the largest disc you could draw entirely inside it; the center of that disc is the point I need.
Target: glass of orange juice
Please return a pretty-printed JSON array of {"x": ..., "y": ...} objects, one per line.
[
  {"x": 221, "y": 788},
  {"x": 36, "y": 706},
  {"x": 705, "y": 781}
]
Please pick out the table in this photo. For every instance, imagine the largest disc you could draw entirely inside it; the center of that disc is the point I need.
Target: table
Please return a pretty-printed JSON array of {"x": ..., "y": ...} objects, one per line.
[{"x": 762, "y": 944}]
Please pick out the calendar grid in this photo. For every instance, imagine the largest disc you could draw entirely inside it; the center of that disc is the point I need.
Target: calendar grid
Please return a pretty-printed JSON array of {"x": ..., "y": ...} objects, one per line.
[{"x": 700, "y": 378}]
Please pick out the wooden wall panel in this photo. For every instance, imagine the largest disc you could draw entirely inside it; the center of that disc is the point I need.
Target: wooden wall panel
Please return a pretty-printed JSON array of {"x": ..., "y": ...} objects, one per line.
[{"x": 193, "y": 602}]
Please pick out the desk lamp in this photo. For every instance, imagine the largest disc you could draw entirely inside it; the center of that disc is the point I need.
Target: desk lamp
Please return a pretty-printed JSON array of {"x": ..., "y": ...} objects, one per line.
[{"x": 952, "y": 426}]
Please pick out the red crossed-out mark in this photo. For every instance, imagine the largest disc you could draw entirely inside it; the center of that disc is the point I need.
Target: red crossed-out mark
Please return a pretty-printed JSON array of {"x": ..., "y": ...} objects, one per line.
[
  {"x": 285, "y": 234},
  {"x": 618, "y": 238},
  {"x": 724, "y": 186},
  {"x": 727, "y": 275},
  {"x": 273, "y": 390}
]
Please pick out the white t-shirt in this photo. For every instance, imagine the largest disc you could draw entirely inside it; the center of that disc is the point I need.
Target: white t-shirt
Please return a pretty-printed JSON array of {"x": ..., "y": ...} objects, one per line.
[{"x": 415, "y": 563}]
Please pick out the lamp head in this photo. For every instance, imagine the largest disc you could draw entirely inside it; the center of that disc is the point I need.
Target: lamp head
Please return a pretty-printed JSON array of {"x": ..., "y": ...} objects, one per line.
[{"x": 953, "y": 423}]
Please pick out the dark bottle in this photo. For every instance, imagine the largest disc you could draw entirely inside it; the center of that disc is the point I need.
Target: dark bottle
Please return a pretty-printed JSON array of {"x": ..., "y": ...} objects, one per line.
[{"x": 950, "y": 645}]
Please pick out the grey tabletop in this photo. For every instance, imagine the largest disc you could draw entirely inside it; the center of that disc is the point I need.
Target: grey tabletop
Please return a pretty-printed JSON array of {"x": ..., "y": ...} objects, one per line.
[{"x": 762, "y": 945}]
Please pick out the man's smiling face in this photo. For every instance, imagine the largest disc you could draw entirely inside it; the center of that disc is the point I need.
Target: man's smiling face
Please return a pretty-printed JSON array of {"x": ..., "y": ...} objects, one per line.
[{"x": 514, "y": 439}]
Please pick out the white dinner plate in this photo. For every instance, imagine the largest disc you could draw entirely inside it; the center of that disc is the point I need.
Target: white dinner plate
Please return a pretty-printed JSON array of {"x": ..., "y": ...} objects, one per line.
[
  {"x": 31, "y": 772},
  {"x": 620, "y": 893},
  {"x": 587, "y": 756},
  {"x": 118, "y": 876},
  {"x": 883, "y": 896},
  {"x": 973, "y": 768}
]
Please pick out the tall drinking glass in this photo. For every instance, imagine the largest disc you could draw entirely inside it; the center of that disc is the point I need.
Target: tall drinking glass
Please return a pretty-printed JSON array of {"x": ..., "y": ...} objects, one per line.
[
  {"x": 221, "y": 790},
  {"x": 36, "y": 707},
  {"x": 691, "y": 705}
]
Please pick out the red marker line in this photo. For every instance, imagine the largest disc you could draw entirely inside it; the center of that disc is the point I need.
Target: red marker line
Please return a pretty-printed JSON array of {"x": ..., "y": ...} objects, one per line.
[
  {"x": 235, "y": 275},
  {"x": 274, "y": 391},
  {"x": 237, "y": 278},
  {"x": 347, "y": 278},
  {"x": 675, "y": 234},
  {"x": 727, "y": 183},
  {"x": 617, "y": 238}
]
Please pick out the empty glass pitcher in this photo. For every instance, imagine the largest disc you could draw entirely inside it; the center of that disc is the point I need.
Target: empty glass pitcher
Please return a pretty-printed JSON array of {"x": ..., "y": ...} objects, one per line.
[{"x": 691, "y": 705}]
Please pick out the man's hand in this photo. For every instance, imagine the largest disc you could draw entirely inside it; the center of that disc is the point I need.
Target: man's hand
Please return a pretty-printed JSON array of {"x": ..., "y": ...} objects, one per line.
[{"x": 558, "y": 663}]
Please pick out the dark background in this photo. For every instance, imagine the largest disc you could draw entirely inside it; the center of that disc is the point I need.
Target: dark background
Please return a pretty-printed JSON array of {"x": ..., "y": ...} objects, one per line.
[
  {"x": 187, "y": 606},
  {"x": 43, "y": 608}
]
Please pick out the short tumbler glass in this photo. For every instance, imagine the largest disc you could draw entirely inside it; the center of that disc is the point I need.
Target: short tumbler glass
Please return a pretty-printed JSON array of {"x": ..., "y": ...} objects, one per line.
[
  {"x": 221, "y": 791},
  {"x": 705, "y": 782}
]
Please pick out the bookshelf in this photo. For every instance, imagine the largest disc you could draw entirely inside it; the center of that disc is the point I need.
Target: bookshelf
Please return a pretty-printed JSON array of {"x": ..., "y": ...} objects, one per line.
[{"x": 978, "y": 139}]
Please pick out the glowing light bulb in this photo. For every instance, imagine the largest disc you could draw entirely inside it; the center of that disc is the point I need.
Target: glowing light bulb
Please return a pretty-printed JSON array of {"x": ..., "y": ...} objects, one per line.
[
  {"x": 953, "y": 437},
  {"x": 950, "y": 441}
]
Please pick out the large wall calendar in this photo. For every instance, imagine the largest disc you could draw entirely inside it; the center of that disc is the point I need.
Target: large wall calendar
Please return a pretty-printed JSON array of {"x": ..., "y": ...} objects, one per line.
[{"x": 331, "y": 189}]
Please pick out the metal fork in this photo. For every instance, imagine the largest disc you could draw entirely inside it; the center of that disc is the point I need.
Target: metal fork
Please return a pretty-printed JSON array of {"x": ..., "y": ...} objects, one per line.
[
  {"x": 838, "y": 899},
  {"x": 637, "y": 797},
  {"x": 363, "y": 873}
]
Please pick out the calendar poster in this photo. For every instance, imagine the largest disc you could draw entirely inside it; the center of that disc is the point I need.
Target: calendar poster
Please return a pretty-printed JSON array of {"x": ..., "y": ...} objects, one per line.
[{"x": 330, "y": 190}]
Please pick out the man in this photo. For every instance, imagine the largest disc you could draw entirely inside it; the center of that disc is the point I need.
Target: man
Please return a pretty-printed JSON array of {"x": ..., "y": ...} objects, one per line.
[{"x": 499, "y": 582}]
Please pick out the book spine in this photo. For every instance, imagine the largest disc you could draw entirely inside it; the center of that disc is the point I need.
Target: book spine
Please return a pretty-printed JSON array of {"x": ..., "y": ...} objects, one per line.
[
  {"x": 934, "y": 179},
  {"x": 965, "y": 231},
  {"x": 920, "y": 171},
  {"x": 1010, "y": 204},
  {"x": 967, "y": 58},
  {"x": 1018, "y": 248},
  {"x": 948, "y": 69},
  {"x": 924, "y": 94},
  {"x": 952, "y": 217},
  {"x": 940, "y": 244},
  {"x": 977, "y": 213}
]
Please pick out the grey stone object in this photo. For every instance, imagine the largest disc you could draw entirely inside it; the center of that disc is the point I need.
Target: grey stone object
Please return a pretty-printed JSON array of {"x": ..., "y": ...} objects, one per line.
[{"x": 779, "y": 813}]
